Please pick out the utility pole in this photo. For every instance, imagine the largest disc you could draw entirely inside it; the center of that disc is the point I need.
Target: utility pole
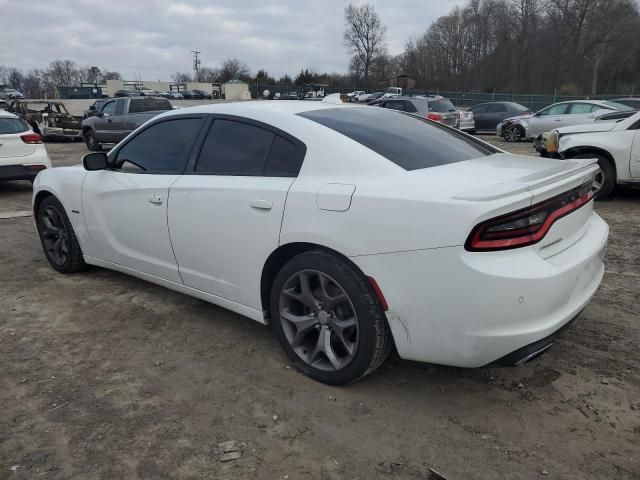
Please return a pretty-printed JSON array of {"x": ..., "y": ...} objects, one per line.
[{"x": 196, "y": 65}]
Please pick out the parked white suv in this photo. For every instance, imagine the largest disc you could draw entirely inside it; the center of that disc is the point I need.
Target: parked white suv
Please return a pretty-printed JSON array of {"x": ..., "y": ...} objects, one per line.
[
  {"x": 616, "y": 145},
  {"x": 22, "y": 153}
]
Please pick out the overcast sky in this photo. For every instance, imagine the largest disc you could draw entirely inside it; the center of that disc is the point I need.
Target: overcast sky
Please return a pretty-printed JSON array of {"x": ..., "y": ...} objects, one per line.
[{"x": 153, "y": 38}]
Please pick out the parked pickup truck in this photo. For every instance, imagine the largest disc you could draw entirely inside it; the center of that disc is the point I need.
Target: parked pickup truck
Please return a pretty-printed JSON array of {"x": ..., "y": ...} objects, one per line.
[{"x": 119, "y": 117}]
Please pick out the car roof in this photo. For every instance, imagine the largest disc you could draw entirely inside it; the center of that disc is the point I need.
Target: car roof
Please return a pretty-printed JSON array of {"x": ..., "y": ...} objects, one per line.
[
  {"x": 5, "y": 114},
  {"x": 248, "y": 108}
]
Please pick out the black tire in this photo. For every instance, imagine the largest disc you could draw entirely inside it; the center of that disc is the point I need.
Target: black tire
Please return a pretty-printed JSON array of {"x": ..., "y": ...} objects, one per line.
[
  {"x": 513, "y": 133},
  {"x": 607, "y": 176},
  {"x": 70, "y": 257},
  {"x": 374, "y": 341},
  {"x": 92, "y": 143}
]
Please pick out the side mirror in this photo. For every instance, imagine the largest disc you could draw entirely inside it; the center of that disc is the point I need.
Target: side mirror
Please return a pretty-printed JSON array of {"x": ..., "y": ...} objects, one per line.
[
  {"x": 95, "y": 161},
  {"x": 92, "y": 107}
]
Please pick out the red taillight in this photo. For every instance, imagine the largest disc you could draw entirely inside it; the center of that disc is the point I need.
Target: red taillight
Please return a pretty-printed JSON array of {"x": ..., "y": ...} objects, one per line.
[
  {"x": 527, "y": 226},
  {"x": 31, "y": 138},
  {"x": 434, "y": 117},
  {"x": 35, "y": 167}
]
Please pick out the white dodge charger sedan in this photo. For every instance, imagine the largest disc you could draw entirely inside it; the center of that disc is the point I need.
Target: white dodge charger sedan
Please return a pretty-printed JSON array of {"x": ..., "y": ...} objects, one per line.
[
  {"x": 22, "y": 153},
  {"x": 352, "y": 230}
]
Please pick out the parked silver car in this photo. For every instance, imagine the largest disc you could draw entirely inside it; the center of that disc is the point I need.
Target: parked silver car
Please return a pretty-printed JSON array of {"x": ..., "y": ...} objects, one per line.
[{"x": 558, "y": 115}]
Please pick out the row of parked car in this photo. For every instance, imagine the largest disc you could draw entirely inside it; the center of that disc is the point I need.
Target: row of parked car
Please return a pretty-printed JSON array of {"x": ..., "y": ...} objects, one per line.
[{"x": 195, "y": 94}]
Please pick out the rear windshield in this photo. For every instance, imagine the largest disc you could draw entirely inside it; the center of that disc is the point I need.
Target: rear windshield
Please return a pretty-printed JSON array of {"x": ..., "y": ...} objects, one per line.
[
  {"x": 12, "y": 125},
  {"x": 618, "y": 106},
  {"x": 149, "y": 105},
  {"x": 406, "y": 140},
  {"x": 441, "y": 106}
]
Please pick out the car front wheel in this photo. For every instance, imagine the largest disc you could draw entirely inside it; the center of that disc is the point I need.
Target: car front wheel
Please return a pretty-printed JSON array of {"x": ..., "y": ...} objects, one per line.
[
  {"x": 58, "y": 239},
  {"x": 90, "y": 140},
  {"x": 605, "y": 181},
  {"x": 512, "y": 133},
  {"x": 327, "y": 318}
]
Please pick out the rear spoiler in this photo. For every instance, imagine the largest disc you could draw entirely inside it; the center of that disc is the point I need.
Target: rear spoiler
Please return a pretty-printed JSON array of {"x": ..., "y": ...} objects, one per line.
[{"x": 586, "y": 168}]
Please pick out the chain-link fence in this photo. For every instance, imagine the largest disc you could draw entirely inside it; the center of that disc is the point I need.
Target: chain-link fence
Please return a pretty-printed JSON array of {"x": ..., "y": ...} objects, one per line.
[{"x": 534, "y": 102}]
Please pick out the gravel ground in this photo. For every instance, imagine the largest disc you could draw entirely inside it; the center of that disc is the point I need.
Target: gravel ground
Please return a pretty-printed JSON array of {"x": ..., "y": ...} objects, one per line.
[{"x": 103, "y": 376}]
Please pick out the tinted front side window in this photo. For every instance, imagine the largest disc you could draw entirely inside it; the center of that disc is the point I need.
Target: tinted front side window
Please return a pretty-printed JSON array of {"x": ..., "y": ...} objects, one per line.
[
  {"x": 109, "y": 108},
  {"x": 496, "y": 108},
  {"x": 119, "y": 107},
  {"x": 406, "y": 140},
  {"x": 161, "y": 148},
  {"x": 559, "y": 109},
  {"x": 234, "y": 148}
]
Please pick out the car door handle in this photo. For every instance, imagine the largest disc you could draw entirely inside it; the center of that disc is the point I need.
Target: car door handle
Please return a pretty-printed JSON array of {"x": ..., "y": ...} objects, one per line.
[
  {"x": 261, "y": 204},
  {"x": 155, "y": 199}
]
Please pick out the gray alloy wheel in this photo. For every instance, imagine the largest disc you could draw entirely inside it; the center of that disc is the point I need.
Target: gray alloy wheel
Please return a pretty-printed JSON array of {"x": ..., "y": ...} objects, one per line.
[
  {"x": 319, "y": 320},
  {"x": 55, "y": 237},
  {"x": 512, "y": 133}
]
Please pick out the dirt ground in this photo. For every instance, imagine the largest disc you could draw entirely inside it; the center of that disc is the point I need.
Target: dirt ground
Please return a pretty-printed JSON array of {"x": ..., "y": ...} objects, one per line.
[{"x": 103, "y": 376}]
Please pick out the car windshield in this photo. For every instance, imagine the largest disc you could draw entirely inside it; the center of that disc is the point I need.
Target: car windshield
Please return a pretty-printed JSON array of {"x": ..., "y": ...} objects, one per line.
[
  {"x": 12, "y": 125},
  {"x": 618, "y": 106},
  {"x": 406, "y": 140},
  {"x": 441, "y": 106},
  {"x": 518, "y": 107}
]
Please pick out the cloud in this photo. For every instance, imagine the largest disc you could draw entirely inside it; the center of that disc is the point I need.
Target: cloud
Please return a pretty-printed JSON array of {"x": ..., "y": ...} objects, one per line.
[{"x": 153, "y": 38}]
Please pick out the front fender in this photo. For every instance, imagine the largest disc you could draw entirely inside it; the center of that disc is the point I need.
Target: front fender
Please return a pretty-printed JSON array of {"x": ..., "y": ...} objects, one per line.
[
  {"x": 615, "y": 145},
  {"x": 65, "y": 183}
]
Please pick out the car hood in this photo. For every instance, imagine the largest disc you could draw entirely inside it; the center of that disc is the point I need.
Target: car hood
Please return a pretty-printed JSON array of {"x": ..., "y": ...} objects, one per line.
[
  {"x": 502, "y": 175},
  {"x": 519, "y": 117},
  {"x": 588, "y": 128}
]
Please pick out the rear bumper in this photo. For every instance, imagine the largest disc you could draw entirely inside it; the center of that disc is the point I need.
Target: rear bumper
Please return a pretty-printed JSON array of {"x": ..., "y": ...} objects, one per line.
[
  {"x": 19, "y": 172},
  {"x": 467, "y": 125},
  {"x": 470, "y": 309}
]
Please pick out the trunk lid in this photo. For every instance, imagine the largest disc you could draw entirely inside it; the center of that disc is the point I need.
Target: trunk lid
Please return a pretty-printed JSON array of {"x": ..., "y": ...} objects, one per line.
[{"x": 503, "y": 183}]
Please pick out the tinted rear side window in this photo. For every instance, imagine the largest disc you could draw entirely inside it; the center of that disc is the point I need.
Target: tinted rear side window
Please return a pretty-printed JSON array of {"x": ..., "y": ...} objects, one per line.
[
  {"x": 12, "y": 125},
  {"x": 162, "y": 147},
  {"x": 406, "y": 140},
  {"x": 149, "y": 105},
  {"x": 285, "y": 158},
  {"x": 234, "y": 148}
]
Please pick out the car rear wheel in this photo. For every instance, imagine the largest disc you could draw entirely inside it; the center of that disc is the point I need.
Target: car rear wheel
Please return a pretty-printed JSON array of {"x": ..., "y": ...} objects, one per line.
[
  {"x": 605, "y": 181},
  {"x": 90, "y": 140},
  {"x": 327, "y": 318},
  {"x": 513, "y": 133},
  {"x": 58, "y": 239}
]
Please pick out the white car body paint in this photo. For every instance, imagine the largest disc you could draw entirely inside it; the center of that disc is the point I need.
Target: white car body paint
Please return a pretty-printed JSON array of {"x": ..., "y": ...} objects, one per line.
[
  {"x": 16, "y": 153},
  {"x": 620, "y": 139},
  {"x": 406, "y": 229}
]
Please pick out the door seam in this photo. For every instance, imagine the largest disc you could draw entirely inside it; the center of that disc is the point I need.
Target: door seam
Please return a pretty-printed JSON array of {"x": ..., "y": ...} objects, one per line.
[{"x": 169, "y": 229}]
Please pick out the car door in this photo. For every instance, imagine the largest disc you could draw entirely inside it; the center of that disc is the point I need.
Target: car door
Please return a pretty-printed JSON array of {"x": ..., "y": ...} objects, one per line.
[
  {"x": 225, "y": 213},
  {"x": 579, "y": 113},
  {"x": 480, "y": 116},
  {"x": 547, "y": 119},
  {"x": 117, "y": 120},
  {"x": 125, "y": 207},
  {"x": 496, "y": 113},
  {"x": 103, "y": 123}
]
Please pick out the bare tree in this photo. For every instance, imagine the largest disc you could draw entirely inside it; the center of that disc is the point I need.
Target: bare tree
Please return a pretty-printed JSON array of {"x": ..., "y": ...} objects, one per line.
[
  {"x": 364, "y": 35},
  {"x": 234, "y": 69},
  {"x": 181, "y": 77}
]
